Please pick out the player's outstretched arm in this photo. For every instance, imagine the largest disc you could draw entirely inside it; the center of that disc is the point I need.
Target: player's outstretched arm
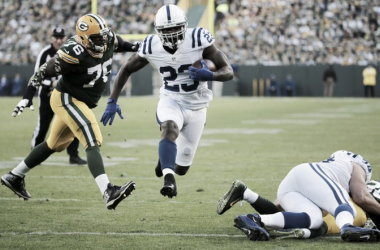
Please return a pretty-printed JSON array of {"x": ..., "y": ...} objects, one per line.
[
  {"x": 45, "y": 71},
  {"x": 124, "y": 46},
  {"x": 134, "y": 63}
]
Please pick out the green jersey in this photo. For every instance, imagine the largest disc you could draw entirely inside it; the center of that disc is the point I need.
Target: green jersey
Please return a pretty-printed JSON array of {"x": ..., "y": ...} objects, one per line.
[{"x": 87, "y": 81}]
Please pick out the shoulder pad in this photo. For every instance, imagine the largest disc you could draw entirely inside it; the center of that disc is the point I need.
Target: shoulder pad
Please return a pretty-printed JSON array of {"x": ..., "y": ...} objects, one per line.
[{"x": 357, "y": 159}]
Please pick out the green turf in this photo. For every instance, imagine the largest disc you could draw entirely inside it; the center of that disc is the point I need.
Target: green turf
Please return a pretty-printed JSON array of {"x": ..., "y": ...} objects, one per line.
[{"x": 257, "y": 140}]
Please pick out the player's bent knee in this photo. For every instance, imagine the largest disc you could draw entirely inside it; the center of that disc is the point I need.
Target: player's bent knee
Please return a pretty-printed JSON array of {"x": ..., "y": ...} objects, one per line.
[
  {"x": 169, "y": 130},
  {"x": 58, "y": 147},
  {"x": 181, "y": 170},
  {"x": 315, "y": 223}
]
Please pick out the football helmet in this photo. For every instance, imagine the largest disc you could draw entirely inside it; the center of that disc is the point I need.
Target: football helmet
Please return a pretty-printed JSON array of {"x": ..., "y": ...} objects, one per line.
[
  {"x": 373, "y": 188},
  {"x": 357, "y": 159},
  {"x": 171, "y": 24},
  {"x": 93, "y": 32}
]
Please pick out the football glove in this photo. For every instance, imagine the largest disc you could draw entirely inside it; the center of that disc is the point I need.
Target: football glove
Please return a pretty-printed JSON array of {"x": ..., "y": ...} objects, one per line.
[
  {"x": 26, "y": 101},
  {"x": 136, "y": 46},
  {"x": 21, "y": 105},
  {"x": 109, "y": 113},
  {"x": 203, "y": 74}
]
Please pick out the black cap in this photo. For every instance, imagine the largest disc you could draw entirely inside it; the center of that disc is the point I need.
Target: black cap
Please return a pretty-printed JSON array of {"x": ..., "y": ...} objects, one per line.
[{"x": 59, "y": 32}]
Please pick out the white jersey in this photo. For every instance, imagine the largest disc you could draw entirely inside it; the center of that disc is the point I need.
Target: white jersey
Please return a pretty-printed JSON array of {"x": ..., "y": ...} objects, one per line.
[
  {"x": 174, "y": 67},
  {"x": 354, "y": 158},
  {"x": 338, "y": 169}
]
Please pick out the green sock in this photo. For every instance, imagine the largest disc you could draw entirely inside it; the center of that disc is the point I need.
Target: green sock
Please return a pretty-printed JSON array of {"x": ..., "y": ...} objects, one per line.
[
  {"x": 95, "y": 161},
  {"x": 38, "y": 154},
  {"x": 320, "y": 231},
  {"x": 264, "y": 206}
]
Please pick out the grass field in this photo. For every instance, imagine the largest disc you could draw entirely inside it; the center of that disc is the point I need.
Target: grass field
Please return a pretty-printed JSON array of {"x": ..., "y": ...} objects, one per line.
[{"x": 257, "y": 140}]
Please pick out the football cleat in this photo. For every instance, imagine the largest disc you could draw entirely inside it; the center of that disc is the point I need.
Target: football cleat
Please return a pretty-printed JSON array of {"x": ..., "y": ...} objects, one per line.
[
  {"x": 251, "y": 226},
  {"x": 16, "y": 184},
  {"x": 169, "y": 189},
  {"x": 293, "y": 233},
  {"x": 115, "y": 194},
  {"x": 75, "y": 159},
  {"x": 351, "y": 233},
  {"x": 369, "y": 224},
  {"x": 158, "y": 169},
  {"x": 234, "y": 195}
]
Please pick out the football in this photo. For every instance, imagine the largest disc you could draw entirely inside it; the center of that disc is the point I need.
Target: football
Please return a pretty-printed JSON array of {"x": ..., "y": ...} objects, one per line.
[{"x": 210, "y": 64}]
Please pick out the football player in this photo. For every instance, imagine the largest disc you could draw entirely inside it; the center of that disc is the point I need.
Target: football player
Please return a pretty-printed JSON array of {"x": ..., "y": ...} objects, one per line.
[
  {"x": 84, "y": 61},
  {"x": 46, "y": 114},
  {"x": 184, "y": 95},
  {"x": 304, "y": 193}
]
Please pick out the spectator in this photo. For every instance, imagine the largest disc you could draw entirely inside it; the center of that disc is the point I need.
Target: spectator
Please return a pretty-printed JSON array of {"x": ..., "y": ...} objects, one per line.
[
  {"x": 329, "y": 81},
  {"x": 17, "y": 84},
  {"x": 369, "y": 80},
  {"x": 4, "y": 85},
  {"x": 273, "y": 88},
  {"x": 289, "y": 88}
]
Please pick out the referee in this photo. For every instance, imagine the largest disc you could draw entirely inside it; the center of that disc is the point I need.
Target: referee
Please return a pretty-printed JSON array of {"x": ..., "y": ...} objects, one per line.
[{"x": 46, "y": 113}]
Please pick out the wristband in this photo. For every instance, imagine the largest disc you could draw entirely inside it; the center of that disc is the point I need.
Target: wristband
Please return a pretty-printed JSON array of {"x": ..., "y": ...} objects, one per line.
[{"x": 29, "y": 93}]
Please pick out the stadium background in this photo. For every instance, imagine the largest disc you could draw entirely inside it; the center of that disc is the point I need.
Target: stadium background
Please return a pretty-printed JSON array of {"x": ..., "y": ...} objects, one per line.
[{"x": 284, "y": 37}]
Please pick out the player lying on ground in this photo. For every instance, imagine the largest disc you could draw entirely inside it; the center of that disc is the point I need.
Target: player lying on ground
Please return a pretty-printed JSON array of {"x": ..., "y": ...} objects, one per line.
[{"x": 303, "y": 217}]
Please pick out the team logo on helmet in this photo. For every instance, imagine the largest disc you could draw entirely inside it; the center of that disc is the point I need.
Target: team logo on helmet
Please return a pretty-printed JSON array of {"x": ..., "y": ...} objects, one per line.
[{"x": 82, "y": 26}]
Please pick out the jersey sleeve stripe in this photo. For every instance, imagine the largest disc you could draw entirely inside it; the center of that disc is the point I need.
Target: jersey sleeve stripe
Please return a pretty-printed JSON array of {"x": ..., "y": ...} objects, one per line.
[
  {"x": 67, "y": 58},
  {"x": 144, "y": 48},
  {"x": 199, "y": 37},
  {"x": 150, "y": 45},
  {"x": 193, "y": 39}
]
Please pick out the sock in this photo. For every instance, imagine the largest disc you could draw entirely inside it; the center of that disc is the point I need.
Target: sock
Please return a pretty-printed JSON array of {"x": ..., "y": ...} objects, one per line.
[
  {"x": 95, "y": 161},
  {"x": 296, "y": 220},
  {"x": 166, "y": 171},
  {"x": 318, "y": 232},
  {"x": 250, "y": 196},
  {"x": 167, "y": 152},
  {"x": 344, "y": 214},
  {"x": 264, "y": 206},
  {"x": 273, "y": 220},
  {"x": 306, "y": 233},
  {"x": 38, "y": 154},
  {"x": 21, "y": 169},
  {"x": 102, "y": 181}
]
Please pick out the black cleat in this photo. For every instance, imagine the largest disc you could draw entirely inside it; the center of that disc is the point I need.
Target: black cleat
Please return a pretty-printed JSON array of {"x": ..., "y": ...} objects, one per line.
[
  {"x": 75, "y": 159},
  {"x": 169, "y": 189},
  {"x": 158, "y": 169},
  {"x": 251, "y": 226},
  {"x": 351, "y": 233},
  {"x": 16, "y": 184},
  {"x": 234, "y": 195},
  {"x": 115, "y": 194}
]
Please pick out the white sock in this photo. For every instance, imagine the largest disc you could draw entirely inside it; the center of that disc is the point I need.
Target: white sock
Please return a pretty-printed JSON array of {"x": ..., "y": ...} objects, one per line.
[
  {"x": 306, "y": 232},
  {"x": 21, "y": 169},
  {"x": 276, "y": 220},
  {"x": 343, "y": 218},
  {"x": 166, "y": 171},
  {"x": 250, "y": 196},
  {"x": 102, "y": 181}
]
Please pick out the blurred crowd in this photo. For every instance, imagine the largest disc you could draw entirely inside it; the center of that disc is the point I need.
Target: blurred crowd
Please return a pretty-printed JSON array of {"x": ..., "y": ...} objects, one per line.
[
  {"x": 268, "y": 32},
  {"x": 299, "y": 32}
]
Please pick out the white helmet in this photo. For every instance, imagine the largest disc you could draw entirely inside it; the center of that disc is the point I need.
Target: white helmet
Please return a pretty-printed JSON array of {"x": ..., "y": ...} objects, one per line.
[
  {"x": 171, "y": 24},
  {"x": 357, "y": 159}
]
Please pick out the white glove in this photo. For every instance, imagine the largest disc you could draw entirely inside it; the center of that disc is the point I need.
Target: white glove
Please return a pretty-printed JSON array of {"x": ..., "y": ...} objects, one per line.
[{"x": 21, "y": 105}]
